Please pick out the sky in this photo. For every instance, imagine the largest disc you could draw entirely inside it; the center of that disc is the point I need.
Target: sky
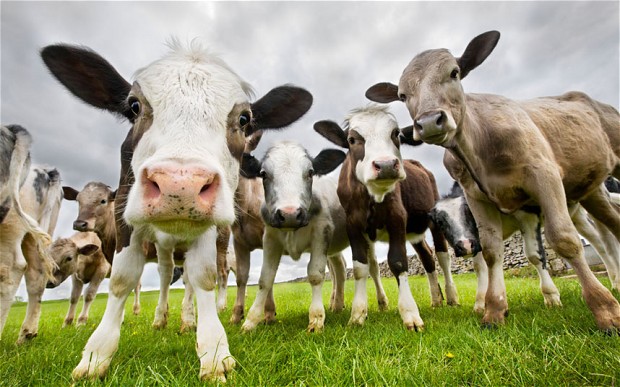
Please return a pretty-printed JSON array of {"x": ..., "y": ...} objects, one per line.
[{"x": 336, "y": 50}]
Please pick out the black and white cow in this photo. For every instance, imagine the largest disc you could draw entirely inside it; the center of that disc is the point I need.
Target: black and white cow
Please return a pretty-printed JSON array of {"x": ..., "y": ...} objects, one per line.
[
  {"x": 301, "y": 214},
  {"x": 190, "y": 114}
]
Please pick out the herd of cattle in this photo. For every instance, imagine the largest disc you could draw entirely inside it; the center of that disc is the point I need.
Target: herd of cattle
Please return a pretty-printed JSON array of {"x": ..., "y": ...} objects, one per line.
[{"x": 522, "y": 165}]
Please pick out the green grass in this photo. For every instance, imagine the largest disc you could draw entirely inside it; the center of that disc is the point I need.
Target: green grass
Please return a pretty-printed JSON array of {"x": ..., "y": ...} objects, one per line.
[{"x": 537, "y": 346}]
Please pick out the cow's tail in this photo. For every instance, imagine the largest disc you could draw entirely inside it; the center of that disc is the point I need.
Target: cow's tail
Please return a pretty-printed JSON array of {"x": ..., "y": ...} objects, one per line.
[{"x": 19, "y": 157}]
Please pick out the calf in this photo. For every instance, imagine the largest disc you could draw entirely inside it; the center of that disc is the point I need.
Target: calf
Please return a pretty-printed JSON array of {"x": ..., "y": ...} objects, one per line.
[
  {"x": 190, "y": 114},
  {"x": 301, "y": 214},
  {"x": 80, "y": 257},
  {"x": 388, "y": 199},
  {"x": 509, "y": 155},
  {"x": 22, "y": 243}
]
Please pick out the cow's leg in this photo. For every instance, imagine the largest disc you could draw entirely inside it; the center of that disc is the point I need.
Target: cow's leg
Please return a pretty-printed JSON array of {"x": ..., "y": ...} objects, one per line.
[
  {"x": 35, "y": 286},
  {"x": 382, "y": 300},
  {"x": 165, "y": 267},
  {"x": 223, "y": 236},
  {"x": 242, "y": 255},
  {"x": 188, "y": 317},
  {"x": 426, "y": 257},
  {"x": 11, "y": 272},
  {"x": 361, "y": 251},
  {"x": 89, "y": 297},
  {"x": 563, "y": 238},
  {"x": 482, "y": 275},
  {"x": 490, "y": 229},
  {"x": 337, "y": 269},
  {"x": 211, "y": 340},
  {"x": 136, "y": 299},
  {"x": 445, "y": 262},
  {"x": 272, "y": 252},
  {"x": 316, "y": 277},
  {"x": 76, "y": 292},
  {"x": 534, "y": 250},
  {"x": 602, "y": 240},
  {"x": 103, "y": 343},
  {"x": 270, "y": 308}
]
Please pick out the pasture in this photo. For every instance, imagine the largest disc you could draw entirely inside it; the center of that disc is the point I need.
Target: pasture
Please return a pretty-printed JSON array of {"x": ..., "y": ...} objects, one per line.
[{"x": 537, "y": 346}]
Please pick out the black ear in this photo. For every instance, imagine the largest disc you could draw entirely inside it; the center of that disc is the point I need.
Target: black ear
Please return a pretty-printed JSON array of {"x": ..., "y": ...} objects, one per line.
[
  {"x": 333, "y": 132},
  {"x": 477, "y": 51},
  {"x": 406, "y": 136},
  {"x": 88, "y": 249},
  {"x": 383, "y": 92},
  {"x": 69, "y": 193},
  {"x": 87, "y": 75},
  {"x": 327, "y": 160},
  {"x": 250, "y": 166},
  {"x": 280, "y": 107}
]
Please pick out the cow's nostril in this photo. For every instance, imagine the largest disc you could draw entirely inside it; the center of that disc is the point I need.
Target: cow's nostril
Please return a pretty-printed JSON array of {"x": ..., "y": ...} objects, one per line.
[
  {"x": 441, "y": 119},
  {"x": 205, "y": 188}
]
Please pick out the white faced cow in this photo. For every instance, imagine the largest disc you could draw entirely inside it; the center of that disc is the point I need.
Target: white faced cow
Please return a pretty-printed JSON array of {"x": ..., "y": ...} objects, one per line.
[
  {"x": 25, "y": 235},
  {"x": 190, "y": 114},
  {"x": 387, "y": 199},
  {"x": 508, "y": 155},
  {"x": 301, "y": 214}
]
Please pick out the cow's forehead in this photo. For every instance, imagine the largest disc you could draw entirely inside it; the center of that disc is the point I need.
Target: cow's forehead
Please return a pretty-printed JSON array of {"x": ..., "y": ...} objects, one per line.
[
  {"x": 191, "y": 78},
  {"x": 430, "y": 63},
  {"x": 371, "y": 122},
  {"x": 286, "y": 156}
]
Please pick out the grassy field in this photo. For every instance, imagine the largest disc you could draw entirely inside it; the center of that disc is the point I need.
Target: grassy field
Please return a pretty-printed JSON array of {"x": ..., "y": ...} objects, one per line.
[{"x": 537, "y": 346}]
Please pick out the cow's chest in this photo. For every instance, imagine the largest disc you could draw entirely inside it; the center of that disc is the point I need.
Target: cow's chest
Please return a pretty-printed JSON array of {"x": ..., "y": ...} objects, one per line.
[{"x": 295, "y": 243}]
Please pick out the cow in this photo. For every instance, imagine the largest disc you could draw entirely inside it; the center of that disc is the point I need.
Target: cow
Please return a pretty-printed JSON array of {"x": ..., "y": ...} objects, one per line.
[
  {"x": 247, "y": 231},
  {"x": 301, "y": 213},
  {"x": 80, "y": 257},
  {"x": 24, "y": 241},
  {"x": 386, "y": 198},
  {"x": 510, "y": 155},
  {"x": 190, "y": 113}
]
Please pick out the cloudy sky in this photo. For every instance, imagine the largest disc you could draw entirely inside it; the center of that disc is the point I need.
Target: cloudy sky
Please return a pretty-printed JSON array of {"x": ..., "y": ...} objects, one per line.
[{"x": 336, "y": 50}]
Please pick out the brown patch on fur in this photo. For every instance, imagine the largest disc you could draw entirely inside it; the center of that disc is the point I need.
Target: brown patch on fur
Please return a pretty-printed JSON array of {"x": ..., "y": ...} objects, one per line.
[{"x": 235, "y": 134}]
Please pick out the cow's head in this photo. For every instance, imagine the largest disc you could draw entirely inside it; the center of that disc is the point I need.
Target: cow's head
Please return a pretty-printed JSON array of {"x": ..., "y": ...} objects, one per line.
[
  {"x": 96, "y": 206},
  {"x": 65, "y": 253},
  {"x": 372, "y": 136},
  {"x": 287, "y": 171},
  {"x": 453, "y": 216},
  {"x": 431, "y": 88},
  {"x": 190, "y": 114}
]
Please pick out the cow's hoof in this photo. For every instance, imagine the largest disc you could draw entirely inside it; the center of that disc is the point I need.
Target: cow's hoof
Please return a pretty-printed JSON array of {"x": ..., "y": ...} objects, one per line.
[
  {"x": 383, "y": 304},
  {"x": 216, "y": 368}
]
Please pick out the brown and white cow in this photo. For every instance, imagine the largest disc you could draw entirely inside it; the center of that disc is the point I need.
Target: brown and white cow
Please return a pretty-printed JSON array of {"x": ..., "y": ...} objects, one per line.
[
  {"x": 190, "y": 114},
  {"x": 25, "y": 232},
  {"x": 508, "y": 155},
  {"x": 80, "y": 257},
  {"x": 388, "y": 199}
]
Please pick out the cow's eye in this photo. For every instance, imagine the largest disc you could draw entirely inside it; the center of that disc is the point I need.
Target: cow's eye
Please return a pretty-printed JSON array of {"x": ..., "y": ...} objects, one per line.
[
  {"x": 103, "y": 201},
  {"x": 244, "y": 119},
  {"x": 454, "y": 74},
  {"x": 134, "y": 105},
  {"x": 310, "y": 173},
  {"x": 262, "y": 174},
  {"x": 68, "y": 259},
  {"x": 402, "y": 97},
  {"x": 395, "y": 133},
  {"x": 351, "y": 141}
]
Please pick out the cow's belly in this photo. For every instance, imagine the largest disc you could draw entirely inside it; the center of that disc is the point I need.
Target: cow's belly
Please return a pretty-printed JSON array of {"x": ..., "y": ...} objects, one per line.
[{"x": 383, "y": 236}]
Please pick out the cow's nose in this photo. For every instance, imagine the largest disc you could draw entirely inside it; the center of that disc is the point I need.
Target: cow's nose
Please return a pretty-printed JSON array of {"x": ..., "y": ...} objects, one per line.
[
  {"x": 80, "y": 225},
  {"x": 387, "y": 169},
  {"x": 181, "y": 190},
  {"x": 290, "y": 217},
  {"x": 430, "y": 122}
]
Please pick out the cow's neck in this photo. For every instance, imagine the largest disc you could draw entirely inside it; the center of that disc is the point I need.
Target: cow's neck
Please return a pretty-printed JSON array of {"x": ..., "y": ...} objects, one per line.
[{"x": 107, "y": 235}]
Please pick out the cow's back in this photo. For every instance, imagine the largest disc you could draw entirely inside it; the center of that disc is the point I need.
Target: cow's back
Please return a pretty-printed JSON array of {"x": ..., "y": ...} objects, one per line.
[{"x": 585, "y": 157}]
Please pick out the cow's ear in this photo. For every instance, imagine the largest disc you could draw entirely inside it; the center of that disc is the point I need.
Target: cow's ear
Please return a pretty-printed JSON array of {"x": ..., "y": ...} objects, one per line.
[
  {"x": 89, "y": 249},
  {"x": 69, "y": 193},
  {"x": 333, "y": 132},
  {"x": 87, "y": 75},
  {"x": 408, "y": 136},
  {"x": 252, "y": 141},
  {"x": 383, "y": 92},
  {"x": 280, "y": 107},
  {"x": 477, "y": 51},
  {"x": 327, "y": 160},
  {"x": 250, "y": 166}
]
